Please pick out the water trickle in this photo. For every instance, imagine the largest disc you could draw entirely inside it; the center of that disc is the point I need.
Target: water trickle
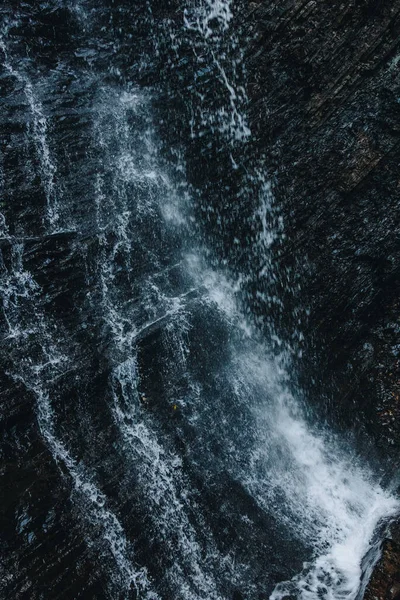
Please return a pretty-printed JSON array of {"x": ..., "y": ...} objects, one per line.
[{"x": 39, "y": 130}]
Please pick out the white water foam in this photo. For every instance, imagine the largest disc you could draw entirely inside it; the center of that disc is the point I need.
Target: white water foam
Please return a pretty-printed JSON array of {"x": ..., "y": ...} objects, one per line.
[
  {"x": 204, "y": 16},
  {"x": 25, "y": 322},
  {"x": 316, "y": 488},
  {"x": 141, "y": 192},
  {"x": 47, "y": 164},
  {"x": 210, "y": 21},
  {"x": 330, "y": 498},
  {"x": 160, "y": 476},
  {"x": 94, "y": 502}
]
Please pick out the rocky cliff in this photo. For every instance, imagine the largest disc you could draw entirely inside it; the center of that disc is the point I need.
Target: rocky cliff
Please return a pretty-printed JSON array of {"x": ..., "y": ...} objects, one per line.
[
  {"x": 323, "y": 106},
  {"x": 325, "y": 102}
]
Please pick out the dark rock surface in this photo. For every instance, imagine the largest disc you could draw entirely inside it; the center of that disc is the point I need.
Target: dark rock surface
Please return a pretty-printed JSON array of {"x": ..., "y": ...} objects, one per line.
[
  {"x": 385, "y": 581},
  {"x": 324, "y": 101}
]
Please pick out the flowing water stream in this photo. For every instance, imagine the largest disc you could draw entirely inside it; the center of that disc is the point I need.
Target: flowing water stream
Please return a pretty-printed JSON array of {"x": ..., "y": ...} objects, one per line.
[{"x": 212, "y": 481}]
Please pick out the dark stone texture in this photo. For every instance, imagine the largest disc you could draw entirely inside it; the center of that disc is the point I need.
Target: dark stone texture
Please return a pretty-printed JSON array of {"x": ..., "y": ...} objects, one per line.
[
  {"x": 385, "y": 581},
  {"x": 324, "y": 103}
]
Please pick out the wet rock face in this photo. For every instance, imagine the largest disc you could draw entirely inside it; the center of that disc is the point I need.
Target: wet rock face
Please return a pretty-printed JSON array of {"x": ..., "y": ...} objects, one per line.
[
  {"x": 325, "y": 88},
  {"x": 324, "y": 103},
  {"x": 385, "y": 581},
  {"x": 324, "y": 109}
]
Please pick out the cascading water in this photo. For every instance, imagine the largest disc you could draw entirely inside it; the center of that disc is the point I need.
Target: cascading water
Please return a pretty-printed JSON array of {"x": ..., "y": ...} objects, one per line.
[{"x": 210, "y": 482}]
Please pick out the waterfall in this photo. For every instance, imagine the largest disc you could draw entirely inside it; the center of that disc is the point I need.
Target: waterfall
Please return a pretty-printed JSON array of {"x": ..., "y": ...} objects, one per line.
[
  {"x": 41, "y": 355},
  {"x": 211, "y": 482},
  {"x": 39, "y": 134}
]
